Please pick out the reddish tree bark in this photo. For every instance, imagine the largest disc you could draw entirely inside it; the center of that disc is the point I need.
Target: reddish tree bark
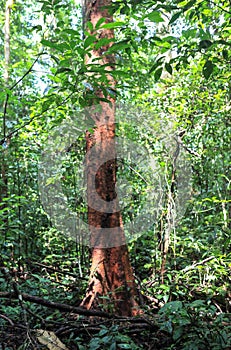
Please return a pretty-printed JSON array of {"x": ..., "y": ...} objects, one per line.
[{"x": 111, "y": 285}]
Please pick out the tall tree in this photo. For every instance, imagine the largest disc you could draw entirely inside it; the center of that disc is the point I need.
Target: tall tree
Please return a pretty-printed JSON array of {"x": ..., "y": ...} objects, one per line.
[
  {"x": 4, "y": 184},
  {"x": 111, "y": 276}
]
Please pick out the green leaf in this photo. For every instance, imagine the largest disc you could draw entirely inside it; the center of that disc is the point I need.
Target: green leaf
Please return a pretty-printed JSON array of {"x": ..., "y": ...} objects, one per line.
[
  {"x": 178, "y": 333},
  {"x": 171, "y": 307},
  {"x": 90, "y": 26},
  {"x": 94, "y": 344},
  {"x": 103, "y": 332},
  {"x": 168, "y": 68},
  {"x": 102, "y": 42},
  {"x": 62, "y": 46},
  {"x": 155, "y": 16},
  {"x": 198, "y": 303},
  {"x": 100, "y": 21},
  {"x": 153, "y": 68},
  {"x": 189, "y": 5},
  {"x": 64, "y": 63},
  {"x": 37, "y": 28},
  {"x": 112, "y": 25},
  {"x": 89, "y": 40},
  {"x": 107, "y": 339},
  {"x": 225, "y": 54},
  {"x": 156, "y": 38},
  {"x": 170, "y": 39},
  {"x": 118, "y": 46},
  {"x": 113, "y": 346},
  {"x": 72, "y": 32},
  {"x": 175, "y": 17},
  {"x": 189, "y": 33},
  {"x": 208, "y": 69},
  {"x": 205, "y": 44},
  {"x": 80, "y": 51},
  {"x": 120, "y": 73},
  {"x": 156, "y": 64},
  {"x": 48, "y": 43},
  {"x": 158, "y": 73}
]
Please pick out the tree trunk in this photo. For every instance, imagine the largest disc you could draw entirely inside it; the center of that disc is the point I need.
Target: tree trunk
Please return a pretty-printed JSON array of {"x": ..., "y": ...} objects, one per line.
[
  {"x": 4, "y": 178},
  {"x": 111, "y": 285}
]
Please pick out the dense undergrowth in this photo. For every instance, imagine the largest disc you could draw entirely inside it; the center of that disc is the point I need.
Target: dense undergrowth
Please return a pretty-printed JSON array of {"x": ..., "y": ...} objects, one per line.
[
  {"x": 174, "y": 80},
  {"x": 189, "y": 309}
]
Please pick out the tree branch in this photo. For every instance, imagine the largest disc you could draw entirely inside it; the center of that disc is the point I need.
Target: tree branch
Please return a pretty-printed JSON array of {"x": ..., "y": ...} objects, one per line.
[
  {"x": 50, "y": 268},
  {"x": 7, "y": 97},
  {"x": 187, "y": 268},
  {"x": 27, "y": 72},
  {"x": 220, "y": 7},
  {"x": 54, "y": 305},
  {"x": 75, "y": 309},
  {"x": 7, "y": 319},
  {"x": 34, "y": 117}
]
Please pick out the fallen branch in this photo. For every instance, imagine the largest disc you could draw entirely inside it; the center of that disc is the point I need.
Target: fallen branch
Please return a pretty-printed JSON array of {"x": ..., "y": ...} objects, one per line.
[
  {"x": 144, "y": 321},
  {"x": 53, "y": 305}
]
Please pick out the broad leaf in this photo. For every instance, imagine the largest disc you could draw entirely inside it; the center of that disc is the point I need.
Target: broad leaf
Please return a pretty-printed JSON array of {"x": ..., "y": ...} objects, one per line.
[
  {"x": 205, "y": 44},
  {"x": 90, "y": 26},
  {"x": 208, "y": 69},
  {"x": 49, "y": 43},
  {"x": 118, "y": 46},
  {"x": 175, "y": 17},
  {"x": 89, "y": 40},
  {"x": 168, "y": 68},
  {"x": 102, "y": 42},
  {"x": 155, "y": 16},
  {"x": 100, "y": 21},
  {"x": 158, "y": 73}
]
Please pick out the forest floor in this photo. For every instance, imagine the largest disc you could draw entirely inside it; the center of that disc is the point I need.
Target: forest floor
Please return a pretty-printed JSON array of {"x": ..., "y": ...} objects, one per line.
[
  {"x": 69, "y": 331},
  {"x": 132, "y": 335},
  {"x": 46, "y": 317}
]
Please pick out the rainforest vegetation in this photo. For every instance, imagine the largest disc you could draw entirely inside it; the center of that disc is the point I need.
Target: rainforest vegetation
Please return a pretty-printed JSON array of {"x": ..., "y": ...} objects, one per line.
[{"x": 115, "y": 189}]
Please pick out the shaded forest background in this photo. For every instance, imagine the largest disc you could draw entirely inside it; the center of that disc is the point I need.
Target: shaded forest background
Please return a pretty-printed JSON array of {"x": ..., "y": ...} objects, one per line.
[{"x": 173, "y": 93}]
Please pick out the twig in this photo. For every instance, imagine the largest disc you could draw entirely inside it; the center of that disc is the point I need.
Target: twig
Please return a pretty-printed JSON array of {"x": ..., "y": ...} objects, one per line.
[
  {"x": 188, "y": 268},
  {"x": 132, "y": 169},
  {"x": 11, "y": 88},
  {"x": 7, "y": 319},
  {"x": 27, "y": 72},
  {"x": 50, "y": 268},
  {"x": 34, "y": 117},
  {"x": 189, "y": 150},
  {"x": 220, "y": 7}
]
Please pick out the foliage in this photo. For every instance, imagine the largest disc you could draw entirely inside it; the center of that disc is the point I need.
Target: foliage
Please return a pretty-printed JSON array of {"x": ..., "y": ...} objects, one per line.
[
  {"x": 195, "y": 325},
  {"x": 172, "y": 65},
  {"x": 108, "y": 338}
]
